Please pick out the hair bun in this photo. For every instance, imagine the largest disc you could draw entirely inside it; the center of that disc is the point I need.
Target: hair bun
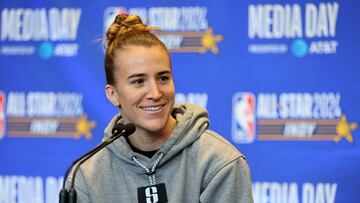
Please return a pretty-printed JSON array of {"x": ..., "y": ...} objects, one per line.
[{"x": 124, "y": 23}]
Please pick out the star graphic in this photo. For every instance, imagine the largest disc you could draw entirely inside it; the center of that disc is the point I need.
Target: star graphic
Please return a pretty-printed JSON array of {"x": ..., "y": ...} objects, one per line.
[
  {"x": 343, "y": 129},
  {"x": 209, "y": 41},
  {"x": 83, "y": 127}
]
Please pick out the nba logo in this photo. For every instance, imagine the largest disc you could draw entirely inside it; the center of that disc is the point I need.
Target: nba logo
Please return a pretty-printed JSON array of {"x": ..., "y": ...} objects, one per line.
[
  {"x": 2, "y": 114},
  {"x": 243, "y": 118}
]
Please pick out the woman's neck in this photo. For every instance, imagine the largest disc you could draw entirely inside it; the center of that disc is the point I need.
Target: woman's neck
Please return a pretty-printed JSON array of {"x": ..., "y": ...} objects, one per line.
[{"x": 148, "y": 141}]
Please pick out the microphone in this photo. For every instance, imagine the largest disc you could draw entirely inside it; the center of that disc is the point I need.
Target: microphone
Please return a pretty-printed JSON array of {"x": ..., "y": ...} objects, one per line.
[{"x": 118, "y": 131}]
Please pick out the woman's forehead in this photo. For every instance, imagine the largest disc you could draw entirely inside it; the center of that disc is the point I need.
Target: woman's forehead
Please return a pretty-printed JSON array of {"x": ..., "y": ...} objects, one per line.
[{"x": 137, "y": 59}]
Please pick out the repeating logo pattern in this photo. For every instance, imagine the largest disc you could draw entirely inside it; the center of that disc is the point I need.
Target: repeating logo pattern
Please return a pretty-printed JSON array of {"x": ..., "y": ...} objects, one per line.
[
  {"x": 297, "y": 29},
  {"x": 290, "y": 117},
  {"x": 44, "y": 115},
  {"x": 185, "y": 29}
]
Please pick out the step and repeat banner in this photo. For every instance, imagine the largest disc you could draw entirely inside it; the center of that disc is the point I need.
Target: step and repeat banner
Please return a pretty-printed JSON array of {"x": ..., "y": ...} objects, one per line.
[{"x": 280, "y": 80}]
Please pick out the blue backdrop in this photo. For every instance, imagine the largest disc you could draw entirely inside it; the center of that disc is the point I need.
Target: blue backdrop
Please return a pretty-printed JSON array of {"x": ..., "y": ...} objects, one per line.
[{"x": 279, "y": 79}]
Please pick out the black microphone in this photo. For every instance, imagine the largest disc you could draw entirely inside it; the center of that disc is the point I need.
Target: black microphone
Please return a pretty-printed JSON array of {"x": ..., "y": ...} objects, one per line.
[
  {"x": 63, "y": 196},
  {"x": 118, "y": 131}
]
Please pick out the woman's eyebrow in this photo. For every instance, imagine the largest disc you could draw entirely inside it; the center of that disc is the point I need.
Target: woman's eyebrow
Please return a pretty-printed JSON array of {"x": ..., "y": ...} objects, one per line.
[
  {"x": 136, "y": 75},
  {"x": 164, "y": 72}
]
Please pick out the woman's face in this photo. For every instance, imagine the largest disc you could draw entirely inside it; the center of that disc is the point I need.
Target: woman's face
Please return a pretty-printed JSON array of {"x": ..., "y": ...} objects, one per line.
[{"x": 144, "y": 87}]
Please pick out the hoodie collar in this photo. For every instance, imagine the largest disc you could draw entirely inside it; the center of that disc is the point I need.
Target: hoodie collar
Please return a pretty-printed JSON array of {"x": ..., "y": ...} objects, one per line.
[{"x": 192, "y": 121}]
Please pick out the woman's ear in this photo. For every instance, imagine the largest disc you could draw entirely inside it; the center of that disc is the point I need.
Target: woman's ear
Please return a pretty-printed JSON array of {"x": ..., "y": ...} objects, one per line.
[{"x": 112, "y": 95}]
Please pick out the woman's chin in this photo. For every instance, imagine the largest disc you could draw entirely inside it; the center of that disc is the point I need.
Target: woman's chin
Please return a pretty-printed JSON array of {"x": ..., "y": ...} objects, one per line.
[{"x": 153, "y": 127}]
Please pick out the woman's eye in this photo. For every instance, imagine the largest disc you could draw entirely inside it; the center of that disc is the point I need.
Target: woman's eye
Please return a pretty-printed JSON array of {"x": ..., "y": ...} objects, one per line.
[
  {"x": 164, "y": 78},
  {"x": 137, "y": 82}
]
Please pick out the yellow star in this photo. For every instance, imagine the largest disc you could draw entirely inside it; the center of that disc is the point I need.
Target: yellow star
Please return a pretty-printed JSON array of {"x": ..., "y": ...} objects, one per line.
[
  {"x": 343, "y": 129},
  {"x": 83, "y": 127},
  {"x": 209, "y": 41}
]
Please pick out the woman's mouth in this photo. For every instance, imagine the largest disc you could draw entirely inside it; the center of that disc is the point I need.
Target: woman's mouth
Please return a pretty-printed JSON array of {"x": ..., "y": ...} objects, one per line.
[{"x": 152, "y": 108}]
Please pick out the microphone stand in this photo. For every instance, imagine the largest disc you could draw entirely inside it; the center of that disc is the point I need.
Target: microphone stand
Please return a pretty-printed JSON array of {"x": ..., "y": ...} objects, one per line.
[{"x": 70, "y": 196}]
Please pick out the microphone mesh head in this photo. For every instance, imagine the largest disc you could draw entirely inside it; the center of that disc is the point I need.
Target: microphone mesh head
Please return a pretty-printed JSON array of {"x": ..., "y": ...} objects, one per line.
[
  {"x": 118, "y": 127},
  {"x": 129, "y": 129}
]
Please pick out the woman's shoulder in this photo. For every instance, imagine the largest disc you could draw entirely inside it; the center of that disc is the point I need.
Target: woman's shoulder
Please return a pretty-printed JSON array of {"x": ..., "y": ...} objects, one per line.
[
  {"x": 216, "y": 151},
  {"x": 218, "y": 144}
]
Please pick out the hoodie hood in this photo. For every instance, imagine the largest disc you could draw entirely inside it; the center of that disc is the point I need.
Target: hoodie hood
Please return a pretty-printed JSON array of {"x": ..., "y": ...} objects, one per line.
[{"x": 191, "y": 122}]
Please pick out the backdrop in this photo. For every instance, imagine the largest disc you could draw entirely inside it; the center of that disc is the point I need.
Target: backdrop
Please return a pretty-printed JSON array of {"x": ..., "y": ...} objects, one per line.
[{"x": 279, "y": 79}]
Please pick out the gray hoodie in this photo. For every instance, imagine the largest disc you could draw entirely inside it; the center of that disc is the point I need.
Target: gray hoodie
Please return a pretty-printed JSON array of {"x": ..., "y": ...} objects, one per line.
[{"x": 195, "y": 165}]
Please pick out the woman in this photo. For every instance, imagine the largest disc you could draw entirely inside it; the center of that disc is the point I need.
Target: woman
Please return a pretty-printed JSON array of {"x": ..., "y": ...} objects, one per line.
[{"x": 172, "y": 156}]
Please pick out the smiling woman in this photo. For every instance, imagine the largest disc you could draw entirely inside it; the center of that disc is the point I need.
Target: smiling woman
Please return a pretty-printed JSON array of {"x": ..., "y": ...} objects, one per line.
[
  {"x": 172, "y": 156},
  {"x": 145, "y": 91}
]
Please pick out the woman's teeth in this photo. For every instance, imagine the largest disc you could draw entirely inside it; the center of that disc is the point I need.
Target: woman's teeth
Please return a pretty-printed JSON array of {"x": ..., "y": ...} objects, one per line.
[{"x": 152, "y": 108}]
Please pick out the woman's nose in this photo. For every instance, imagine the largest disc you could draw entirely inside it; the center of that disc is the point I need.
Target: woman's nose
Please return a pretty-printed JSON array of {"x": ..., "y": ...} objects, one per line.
[{"x": 154, "y": 91}]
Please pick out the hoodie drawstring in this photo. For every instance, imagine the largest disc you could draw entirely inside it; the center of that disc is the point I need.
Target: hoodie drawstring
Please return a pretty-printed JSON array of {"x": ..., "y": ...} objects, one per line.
[{"x": 150, "y": 172}]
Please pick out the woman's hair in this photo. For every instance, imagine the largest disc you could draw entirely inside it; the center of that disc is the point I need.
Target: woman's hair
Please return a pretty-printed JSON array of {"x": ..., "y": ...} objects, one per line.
[{"x": 126, "y": 30}]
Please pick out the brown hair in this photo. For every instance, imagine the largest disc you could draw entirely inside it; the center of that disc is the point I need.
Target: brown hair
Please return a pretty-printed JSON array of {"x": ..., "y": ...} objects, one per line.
[{"x": 126, "y": 30}]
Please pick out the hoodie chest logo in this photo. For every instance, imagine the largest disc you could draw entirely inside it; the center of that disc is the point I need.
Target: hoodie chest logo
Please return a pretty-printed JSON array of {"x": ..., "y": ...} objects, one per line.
[{"x": 152, "y": 194}]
